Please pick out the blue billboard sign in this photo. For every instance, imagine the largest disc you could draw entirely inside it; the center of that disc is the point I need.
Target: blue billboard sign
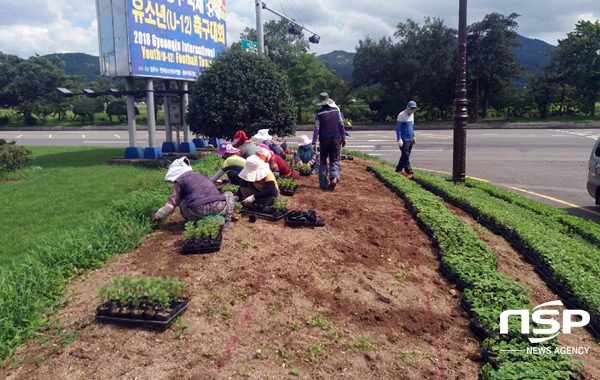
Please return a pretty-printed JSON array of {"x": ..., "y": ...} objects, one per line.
[{"x": 175, "y": 39}]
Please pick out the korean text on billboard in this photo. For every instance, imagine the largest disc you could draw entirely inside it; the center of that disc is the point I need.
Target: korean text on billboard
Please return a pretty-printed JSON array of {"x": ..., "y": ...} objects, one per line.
[{"x": 175, "y": 38}]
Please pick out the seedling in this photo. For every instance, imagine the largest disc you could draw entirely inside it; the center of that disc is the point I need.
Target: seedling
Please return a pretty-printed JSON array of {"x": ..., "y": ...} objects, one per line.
[
  {"x": 304, "y": 168},
  {"x": 406, "y": 356},
  {"x": 238, "y": 207},
  {"x": 280, "y": 203},
  {"x": 295, "y": 326},
  {"x": 207, "y": 228},
  {"x": 315, "y": 351},
  {"x": 322, "y": 322},
  {"x": 295, "y": 371},
  {"x": 363, "y": 344},
  {"x": 287, "y": 184},
  {"x": 274, "y": 308},
  {"x": 242, "y": 245},
  {"x": 240, "y": 294}
]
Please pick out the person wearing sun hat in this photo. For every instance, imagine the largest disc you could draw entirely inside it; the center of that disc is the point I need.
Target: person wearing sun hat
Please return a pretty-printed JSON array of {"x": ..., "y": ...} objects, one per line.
[
  {"x": 246, "y": 146},
  {"x": 257, "y": 183},
  {"x": 232, "y": 164},
  {"x": 405, "y": 135},
  {"x": 195, "y": 195},
  {"x": 305, "y": 155},
  {"x": 278, "y": 166},
  {"x": 329, "y": 129}
]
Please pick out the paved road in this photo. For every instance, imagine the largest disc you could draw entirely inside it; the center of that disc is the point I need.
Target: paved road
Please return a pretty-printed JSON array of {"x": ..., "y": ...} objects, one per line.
[{"x": 548, "y": 165}]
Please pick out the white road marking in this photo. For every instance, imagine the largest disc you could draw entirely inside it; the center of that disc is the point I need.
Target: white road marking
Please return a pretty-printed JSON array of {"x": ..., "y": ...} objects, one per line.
[
  {"x": 19, "y": 136},
  {"x": 82, "y": 136},
  {"x": 429, "y": 150},
  {"x": 360, "y": 146},
  {"x": 375, "y": 154},
  {"x": 489, "y": 134},
  {"x": 49, "y": 136},
  {"x": 117, "y": 136}
]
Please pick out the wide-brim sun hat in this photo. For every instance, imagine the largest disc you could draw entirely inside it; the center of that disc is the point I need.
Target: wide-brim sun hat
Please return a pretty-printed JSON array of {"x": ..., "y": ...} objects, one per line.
[
  {"x": 304, "y": 140},
  {"x": 226, "y": 147},
  {"x": 262, "y": 136},
  {"x": 323, "y": 100},
  {"x": 255, "y": 169}
]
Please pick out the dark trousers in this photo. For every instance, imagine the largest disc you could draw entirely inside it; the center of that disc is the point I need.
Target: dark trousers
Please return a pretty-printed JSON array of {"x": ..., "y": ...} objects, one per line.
[
  {"x": 330, "y": 149},
  {"x": 404, "y": 162}
]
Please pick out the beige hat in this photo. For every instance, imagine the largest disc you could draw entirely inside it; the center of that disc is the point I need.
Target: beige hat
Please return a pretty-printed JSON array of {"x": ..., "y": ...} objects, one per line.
[
  {"x": 255, "y": 169},
  {"x": 304, "y": 140}
]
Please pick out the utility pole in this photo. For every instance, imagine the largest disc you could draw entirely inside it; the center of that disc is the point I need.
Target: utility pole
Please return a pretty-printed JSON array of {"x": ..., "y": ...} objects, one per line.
[
  {"x": 460, "y": 101},
  {"x": 259, "y": 27},
  {"x": 477, "y": 83}
]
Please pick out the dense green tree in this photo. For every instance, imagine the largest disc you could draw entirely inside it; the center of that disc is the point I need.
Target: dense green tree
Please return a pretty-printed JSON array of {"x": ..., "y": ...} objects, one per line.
[
  {"x": 8, "y": 71},
  {"x": 241, "y": 91},
  {"x": 282, "y": 46},
  {"x": 118, "y": 108},
  {"x": 420, "y": 66},
  {"x": 87, "y": 108},
  {"x": 577, "y": 62},
  {"x": 497, "y": 64}
]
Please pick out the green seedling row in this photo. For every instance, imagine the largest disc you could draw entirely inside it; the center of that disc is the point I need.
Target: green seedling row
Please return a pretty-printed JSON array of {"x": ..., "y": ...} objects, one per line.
[
  {"x": 573, "y": 261},
  {"x": 586, "y": 228},
  {"x": 156, "y": 291},
  {"x": 486, "y": 291}
]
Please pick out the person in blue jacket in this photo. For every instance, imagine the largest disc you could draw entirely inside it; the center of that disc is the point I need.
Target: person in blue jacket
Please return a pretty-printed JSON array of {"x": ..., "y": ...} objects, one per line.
[{"x": 405, "y": 135}]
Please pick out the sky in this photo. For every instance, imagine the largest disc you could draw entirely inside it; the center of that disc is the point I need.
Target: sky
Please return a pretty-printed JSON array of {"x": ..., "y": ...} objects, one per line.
[{"x": 28, "y": 27}]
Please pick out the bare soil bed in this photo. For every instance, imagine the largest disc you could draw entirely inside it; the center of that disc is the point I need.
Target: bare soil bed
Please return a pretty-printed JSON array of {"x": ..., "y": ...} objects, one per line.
[{"x": 360, "y": 298}]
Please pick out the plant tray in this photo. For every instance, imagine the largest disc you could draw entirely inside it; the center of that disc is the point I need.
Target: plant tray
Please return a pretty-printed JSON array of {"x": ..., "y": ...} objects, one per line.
[
  {"x": 301, "y": 218},
  {"x": 146, "y": 319},
  {"x": 203, "y": 246},
  {"x": 289, "y": 192},
  {"x": 304, "y": 174},
  {"x": 264, "y": 212}
]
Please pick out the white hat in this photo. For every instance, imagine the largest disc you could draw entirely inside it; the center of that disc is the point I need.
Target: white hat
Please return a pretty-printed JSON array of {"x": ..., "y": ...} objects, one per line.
[
  {"x": 262, "y": 136},
  {"x": 255, "y": 169},
  {"x": 177, "y": 168},
  {"x": 304, "y": 140}
]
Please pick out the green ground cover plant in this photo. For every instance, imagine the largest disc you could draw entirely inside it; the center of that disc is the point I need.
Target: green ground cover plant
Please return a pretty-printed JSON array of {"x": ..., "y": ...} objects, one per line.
[
  {"x": 155, "y": 292},
  {"x": 304, "y": 168},
  {"x": 287, "y": 184},
  {"x": 207, "y": 228},
  {"x": 487, "y": 292},
  {"x": 62, "y": 190},
  {"x": 573, "y": 260},
  {"x": 33, "y": 283}
]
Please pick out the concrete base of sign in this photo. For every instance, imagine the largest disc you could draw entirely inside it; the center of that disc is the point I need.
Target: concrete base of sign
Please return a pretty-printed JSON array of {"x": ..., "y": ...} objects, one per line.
[
  {"x": 200, "y": 143},
  {"x": 134, "y": 152},
  {"x": 153, "y": 153},
  {"x": 216, "y": 143},
  {"x": 187, "y": 147},
  {"x": 169, "y": 147}
]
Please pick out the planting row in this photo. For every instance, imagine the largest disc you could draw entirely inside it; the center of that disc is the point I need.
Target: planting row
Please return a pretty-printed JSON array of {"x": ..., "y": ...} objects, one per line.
[
  {"x": 569, "y": 263},
  {"x": 471, "y": 264},
  {"x": 586, "y": 228}
]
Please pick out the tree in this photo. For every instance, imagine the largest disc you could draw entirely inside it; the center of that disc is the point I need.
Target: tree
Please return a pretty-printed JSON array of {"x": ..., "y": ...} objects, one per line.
[
  {"x": 282, "y": 46},
  {"x": 118, "y": 108},
  {"x": 577, "y": 61},
  {"x": 87, "y": 108},
  {"x": 497, "y": 64},
  {"x": 241, "y": 91},
  {"x": 420, "y": 66},
  {"x": 8, "y": 71}
]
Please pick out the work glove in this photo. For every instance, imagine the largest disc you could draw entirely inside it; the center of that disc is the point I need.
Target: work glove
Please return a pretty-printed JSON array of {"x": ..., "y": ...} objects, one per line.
[
  {"x": 154, "y": 218},
  {"x": 248, "y": 201},
  {"x": 414, "y": 140},
  {"x": 400, "y": 143}
]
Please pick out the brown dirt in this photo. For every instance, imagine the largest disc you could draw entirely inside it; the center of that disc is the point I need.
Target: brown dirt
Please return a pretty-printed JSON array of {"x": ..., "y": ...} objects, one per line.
[
  {"x": 512, "y": 263},
  {"x": 370, "y": 271}
]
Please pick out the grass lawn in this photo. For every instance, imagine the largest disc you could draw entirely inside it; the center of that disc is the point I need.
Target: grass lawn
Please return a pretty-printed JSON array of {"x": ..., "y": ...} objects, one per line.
[{"x": 60, "y": 190}]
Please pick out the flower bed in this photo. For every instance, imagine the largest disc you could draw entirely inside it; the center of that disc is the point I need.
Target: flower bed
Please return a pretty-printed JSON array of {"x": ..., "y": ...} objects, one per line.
[{"x": 470, "y": 263}]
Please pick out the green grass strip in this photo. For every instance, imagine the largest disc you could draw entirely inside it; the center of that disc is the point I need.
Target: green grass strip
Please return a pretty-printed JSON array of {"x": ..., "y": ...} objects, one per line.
[
  {"x": 31, "y": 285},
  {"x": 488, "y": 291}
]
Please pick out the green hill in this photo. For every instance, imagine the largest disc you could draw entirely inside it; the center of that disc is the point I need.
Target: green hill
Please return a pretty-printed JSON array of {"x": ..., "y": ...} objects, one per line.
[
  {"x": 80, "y": 64},
  {"x": 532, "y": 54}
]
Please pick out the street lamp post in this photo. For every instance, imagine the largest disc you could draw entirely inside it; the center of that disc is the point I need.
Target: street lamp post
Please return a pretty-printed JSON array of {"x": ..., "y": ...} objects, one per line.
[
  {"x": 259, "y": 27},
  {"x": 460, "y": 101}
]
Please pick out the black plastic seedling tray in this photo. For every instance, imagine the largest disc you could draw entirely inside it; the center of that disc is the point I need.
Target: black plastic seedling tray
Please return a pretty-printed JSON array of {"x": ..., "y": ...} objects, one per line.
[
  {"x": 300, "y": 218},
  {"x": 204, "y": 246},
  {"x": 130, "y": 321},
  {"x": 289, "y": 192},
  {"x": 264, "y": 212}
]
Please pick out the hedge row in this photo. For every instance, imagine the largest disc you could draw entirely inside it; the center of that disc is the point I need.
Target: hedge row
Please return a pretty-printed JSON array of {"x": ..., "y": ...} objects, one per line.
[{"x": 468, "y": 261}]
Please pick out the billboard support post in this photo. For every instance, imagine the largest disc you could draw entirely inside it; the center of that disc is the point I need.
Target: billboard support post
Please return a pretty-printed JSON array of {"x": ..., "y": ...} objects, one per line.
[
  {"x": 132, "y": 151},
  {"x": 152, "y": 151},
  {"x": 168, "y": 146},
  {"x": 186, "y": 146}
]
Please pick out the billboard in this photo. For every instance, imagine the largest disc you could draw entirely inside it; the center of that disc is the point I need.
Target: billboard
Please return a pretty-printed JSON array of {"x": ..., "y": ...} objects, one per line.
[{"x": 170, "y": 39}]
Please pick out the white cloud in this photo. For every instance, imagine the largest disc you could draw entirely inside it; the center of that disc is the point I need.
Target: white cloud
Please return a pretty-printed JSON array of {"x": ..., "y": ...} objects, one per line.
[{"x": 47, "y": 26}]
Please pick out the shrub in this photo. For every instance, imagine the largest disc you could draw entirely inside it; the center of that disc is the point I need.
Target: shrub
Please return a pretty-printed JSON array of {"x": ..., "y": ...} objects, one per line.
[
  {"x": 4, "y": 120},
  {"x": 13, "y": 157},
  {"x": 30, "y": 120}
]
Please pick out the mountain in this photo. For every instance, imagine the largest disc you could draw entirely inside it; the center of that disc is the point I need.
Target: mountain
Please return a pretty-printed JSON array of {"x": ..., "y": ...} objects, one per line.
[
  {"x": 80, "y": 64},
  {"x": 340, "y": 61},
  {"x": 532, "y": 54}
]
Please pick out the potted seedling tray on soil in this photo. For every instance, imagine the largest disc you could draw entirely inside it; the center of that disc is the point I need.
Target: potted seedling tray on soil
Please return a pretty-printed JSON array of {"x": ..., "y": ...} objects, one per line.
[
  {"x": 304, "y": 169},
  {"x": 203, "y": 236},
  {"x": 143, "y": 302},
  {"x": 302, "y": 218},
  {"x": 287, "y": 186},
  {"x": 272, "y": 213}
]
